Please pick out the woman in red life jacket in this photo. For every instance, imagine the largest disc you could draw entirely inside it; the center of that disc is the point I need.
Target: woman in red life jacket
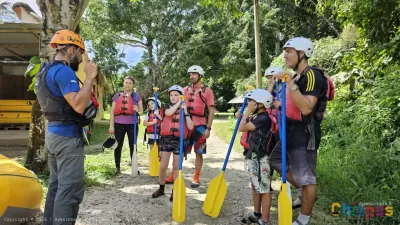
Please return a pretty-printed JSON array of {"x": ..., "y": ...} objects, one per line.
[
  {"x": 152, "y": 117},
  {"x": 170, "y": 133},
  {"x": 121, "y": 118}
]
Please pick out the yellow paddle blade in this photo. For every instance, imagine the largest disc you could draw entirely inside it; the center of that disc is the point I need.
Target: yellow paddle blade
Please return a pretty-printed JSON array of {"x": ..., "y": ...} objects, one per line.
[
  {"x": 179, "y": 202},
  {"x": 154, "y": 163},
  {"x": 284, "y": 207},
  {"x": 215, "y": 196}
]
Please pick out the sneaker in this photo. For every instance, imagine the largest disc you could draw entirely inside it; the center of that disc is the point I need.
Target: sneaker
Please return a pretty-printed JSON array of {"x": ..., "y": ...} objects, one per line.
[
  {"x": 196, "y": 181},
  {"x": 296, "y": 203},
  {"x": 117, "y": 171},
  {"x": 157, "y": 193},
  {"x": 261, "y": 222},
  {"x": 250, "y": 219}
]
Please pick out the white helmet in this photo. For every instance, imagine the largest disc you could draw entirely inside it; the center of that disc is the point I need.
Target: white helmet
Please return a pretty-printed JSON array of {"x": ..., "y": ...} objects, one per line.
[
  {"x": 300, "y": 44},
  {"x": 176, "y": 88},
  {"x": 260, "y": 96},
  {"x": 273, "y": 70},
  {"x": 196, "y": 69},
  {"x": 152, "y": 99}
]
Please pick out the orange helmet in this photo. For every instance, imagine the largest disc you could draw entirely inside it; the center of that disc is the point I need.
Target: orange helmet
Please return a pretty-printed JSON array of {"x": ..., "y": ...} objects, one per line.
[{"x": 65, "y": 37}]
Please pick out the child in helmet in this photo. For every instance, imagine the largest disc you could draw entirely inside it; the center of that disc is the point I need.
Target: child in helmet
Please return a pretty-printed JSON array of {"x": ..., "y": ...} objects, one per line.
[
  {"x": 260, "y": 129},
  {"x": 170, "y": 135},
  {"x": 152, "y": 117}
]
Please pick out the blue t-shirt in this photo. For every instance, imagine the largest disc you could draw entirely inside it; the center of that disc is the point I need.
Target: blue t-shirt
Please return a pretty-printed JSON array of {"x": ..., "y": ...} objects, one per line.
[{"x": 61, "y": 80}]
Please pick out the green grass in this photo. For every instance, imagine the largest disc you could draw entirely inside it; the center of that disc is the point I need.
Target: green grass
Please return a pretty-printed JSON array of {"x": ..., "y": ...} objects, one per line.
[
  {"x": 100, "y": 166},
  {"x": 106, "y": 115},
  {"x": 224, "y": 130}
]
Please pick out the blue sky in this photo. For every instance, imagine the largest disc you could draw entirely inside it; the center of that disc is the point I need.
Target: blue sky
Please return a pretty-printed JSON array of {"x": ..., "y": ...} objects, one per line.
[{"x": 133, "y": 55}]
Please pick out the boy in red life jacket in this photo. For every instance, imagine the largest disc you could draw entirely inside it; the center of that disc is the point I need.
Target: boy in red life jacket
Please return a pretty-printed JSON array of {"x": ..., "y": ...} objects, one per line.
[
  {"x": 260, "y": 132},
  {"x": 170, "y": 133},
  {"x": 152, "y": 117}
]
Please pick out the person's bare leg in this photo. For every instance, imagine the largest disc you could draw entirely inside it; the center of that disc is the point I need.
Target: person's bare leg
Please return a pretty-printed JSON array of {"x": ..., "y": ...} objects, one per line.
[
  {"x": 307, "y": 203},
  {"x": 199, "y": 162},
  {"x": 175, "y": 166},
  {"x": 266, "y": 206},
  {"x": 164, "y": 166},
  {"x": 308, "y": 198},
  {"x": 256, "y": 201},
  {"x": 290, "y": 178},
  {"x": 163, "y": 169}
]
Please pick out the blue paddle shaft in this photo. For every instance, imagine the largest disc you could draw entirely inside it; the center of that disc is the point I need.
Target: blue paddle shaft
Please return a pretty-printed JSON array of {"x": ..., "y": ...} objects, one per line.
[
  {"x": 155, "y": 117},
  {"x": 283, "y": 132},
  {"x": 181, "y": 131},
  {"x": 278, "y": 112},
  {"x": 234, "y": 134},
  {"x": 134, "y": 120}
]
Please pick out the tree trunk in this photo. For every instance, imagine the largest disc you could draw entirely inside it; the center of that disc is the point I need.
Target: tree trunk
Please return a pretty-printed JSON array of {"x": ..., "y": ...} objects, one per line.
[
  {"x": 56, "y": 14},
  {"x": 36, "y": 159},
  {"x": 151, "y": 61}
]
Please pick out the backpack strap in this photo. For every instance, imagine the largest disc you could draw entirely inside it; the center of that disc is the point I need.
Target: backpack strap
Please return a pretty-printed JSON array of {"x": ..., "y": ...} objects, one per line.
[{"x": 203, "y": 89}]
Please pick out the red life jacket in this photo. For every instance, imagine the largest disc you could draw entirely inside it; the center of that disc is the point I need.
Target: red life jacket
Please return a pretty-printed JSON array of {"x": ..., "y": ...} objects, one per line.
[
  {"x": 150, "y": 129},
  {"x": 124, "y": 105},
  {"x": 195, "y": 101},
  {"x": 170, "y": 125},
  {"x": 291, "y": 109},
  {"x": 319, "y": 111},
  {"x": 244, "y": 140}
]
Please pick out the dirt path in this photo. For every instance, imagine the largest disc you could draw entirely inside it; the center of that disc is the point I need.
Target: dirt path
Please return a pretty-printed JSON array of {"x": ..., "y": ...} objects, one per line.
[{"x": 127, "y": 199}]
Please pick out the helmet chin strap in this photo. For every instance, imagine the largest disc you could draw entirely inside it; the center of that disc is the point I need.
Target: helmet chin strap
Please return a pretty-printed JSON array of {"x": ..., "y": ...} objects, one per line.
[
  {"x": 197, "y": 80},
  {"x": 70, "y": 57},
  {"x": 299, "y": 59}
]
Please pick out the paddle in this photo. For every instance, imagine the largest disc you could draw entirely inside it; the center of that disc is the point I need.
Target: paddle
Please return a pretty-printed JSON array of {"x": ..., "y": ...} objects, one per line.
[
  {"x": 154, "y": 162},
  {"x": 284, "y": 205},
  {"x": 179, "y": 195},
  {"x": 134, "y": 155},
  {"x": 289, "y": 191},
  {"x": 217, "y": 188}
]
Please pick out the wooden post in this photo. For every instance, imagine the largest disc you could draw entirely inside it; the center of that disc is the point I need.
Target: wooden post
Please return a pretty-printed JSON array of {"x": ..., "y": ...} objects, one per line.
[{"x": 257, "y": 43}]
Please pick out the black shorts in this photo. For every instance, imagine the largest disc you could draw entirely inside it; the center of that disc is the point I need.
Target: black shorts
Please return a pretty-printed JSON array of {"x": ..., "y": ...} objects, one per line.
[
  {"x": 170, "y": 144},
  {"x": 150, "y": 141}
]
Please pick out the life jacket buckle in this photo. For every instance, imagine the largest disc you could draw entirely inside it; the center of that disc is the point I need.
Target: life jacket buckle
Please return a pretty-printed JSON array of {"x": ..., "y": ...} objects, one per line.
[
  {"x": 174, "y": 129},
  {"x": 175, "y": 120}
]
